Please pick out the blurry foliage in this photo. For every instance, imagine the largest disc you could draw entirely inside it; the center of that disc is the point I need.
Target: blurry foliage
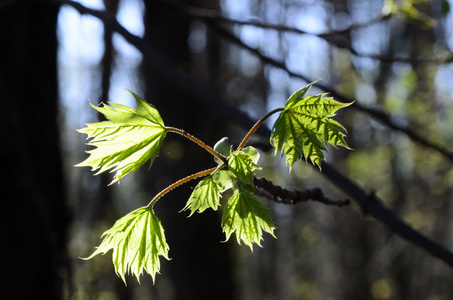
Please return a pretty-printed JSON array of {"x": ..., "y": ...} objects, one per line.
[
  {"x": 323, "y": 252},
  {"x": 408, "y": 11}
]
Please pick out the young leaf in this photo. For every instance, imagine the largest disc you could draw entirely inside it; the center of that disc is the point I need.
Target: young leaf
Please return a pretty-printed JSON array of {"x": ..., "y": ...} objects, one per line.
[
  {"x": 205, "y": 195},
  {"x": 208, "y": 192},
  {"x": 137, "y": 240},
  {"x": 223, "y": 147},
  {"x": 303, "y": 128},
  {"x": 224, "y": 180},
  {"x": 252, "y": 153},
  {"x": 248, "y": 218},
  {"x": 242, "y": 163},
  {"x": 127, "y": 141}
]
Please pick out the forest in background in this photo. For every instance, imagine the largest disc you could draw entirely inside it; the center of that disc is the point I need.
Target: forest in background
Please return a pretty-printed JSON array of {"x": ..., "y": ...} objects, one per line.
[{"x": 213, "y": 68}]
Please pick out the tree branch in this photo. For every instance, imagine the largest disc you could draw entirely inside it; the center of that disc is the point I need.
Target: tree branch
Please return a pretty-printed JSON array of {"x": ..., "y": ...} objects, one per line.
[
  {"x": 372, "y": 205},
  {"x": 333, "y": 37},
  {"x": 290, "y": 196}
]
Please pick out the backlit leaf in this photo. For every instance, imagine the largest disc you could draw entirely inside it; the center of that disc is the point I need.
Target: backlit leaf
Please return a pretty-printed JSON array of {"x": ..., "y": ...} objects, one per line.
[
  {"x": 224, "y": 180},
  {"x": 205, "y": 195},
  {"x": 137, "y": 240},
  {"x": 243, "y": 163},
  {"x": 208, "y": 192},
  {"x": 247, "y": 218},
  {"x": 223, "y": 147},
  {"x": 304, "y": 127},
  {"x": 127, "y": 141},
  {"x": 252, "y": 153}
]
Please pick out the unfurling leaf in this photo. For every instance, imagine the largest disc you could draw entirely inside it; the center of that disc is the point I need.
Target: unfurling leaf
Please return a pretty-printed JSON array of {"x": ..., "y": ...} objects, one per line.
[
  {"x": 243, "y": 163},
  {"x": 246, "y": 217},
  {"x": 224, "y": 180},
  {"x": 223, "y": 147},
  {"x": 205, "y": 195},
  {"x": 304, "y": 127},
  {"x": 252, "y": 153},
  {"x": 208, "y": 192},
  {"x": 137, "y": 240},
  {"x": 127, "y": 141}
]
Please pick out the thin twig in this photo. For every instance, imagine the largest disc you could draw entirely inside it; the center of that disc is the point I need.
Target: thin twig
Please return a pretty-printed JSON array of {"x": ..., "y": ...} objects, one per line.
[
  {"x": 198, "y": 142},
  {"x": 256, "y": 126},
  {"x": 178, "y": 183}
]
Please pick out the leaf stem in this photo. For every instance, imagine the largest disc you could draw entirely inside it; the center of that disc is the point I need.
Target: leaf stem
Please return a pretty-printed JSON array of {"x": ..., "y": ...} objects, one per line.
[
  {"x": 178, "y": 183},
  {"x": 198, "y": 142},
  {"x": 256, "y": 126}
]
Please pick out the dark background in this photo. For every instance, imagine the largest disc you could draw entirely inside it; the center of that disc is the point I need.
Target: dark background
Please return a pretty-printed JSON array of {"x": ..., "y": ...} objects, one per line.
[{"x": 55, "y": 55}]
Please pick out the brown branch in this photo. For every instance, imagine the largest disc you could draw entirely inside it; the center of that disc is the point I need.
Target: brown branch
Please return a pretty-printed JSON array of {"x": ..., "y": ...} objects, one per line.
[
  {"x": 291, "y": 196},
  {"x": 373, "y": 206}
]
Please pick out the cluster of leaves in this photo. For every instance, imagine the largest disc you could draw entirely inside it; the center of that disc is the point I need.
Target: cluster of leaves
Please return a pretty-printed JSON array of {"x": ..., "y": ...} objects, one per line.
[{"x": 132, "y": 137}]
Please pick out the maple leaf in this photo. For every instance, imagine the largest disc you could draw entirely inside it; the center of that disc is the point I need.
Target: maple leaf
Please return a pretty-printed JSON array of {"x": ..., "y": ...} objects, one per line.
[
  {"x": 137, "y": 240},
  {"x": 127, "y": 141},
  {"x": 208, "y": 192},
  {"x": 205, "y": 195},
  {"x": 304, "y": 127},
  {"x": 246, "y": 217},
  {"x": 243, "y": 163}
]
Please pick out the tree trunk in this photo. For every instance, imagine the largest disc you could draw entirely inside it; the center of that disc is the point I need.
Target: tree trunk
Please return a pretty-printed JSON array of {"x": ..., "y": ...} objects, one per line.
[
  {"x": 33, "y": 218},
  {"x": 200, "y": 267}
]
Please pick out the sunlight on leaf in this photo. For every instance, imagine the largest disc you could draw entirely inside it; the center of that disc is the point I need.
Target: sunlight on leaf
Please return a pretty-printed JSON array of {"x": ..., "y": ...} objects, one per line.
[
  {"x": 246, "y": 217},
  {"x": 243, "y": 163},
  {"x": 224, "y": 180},
  {"x": 303, "y": 128},
  {"x": 137, "y": 240},
  {"x": 252, "y": 153},
  {"x": 223, "y": 147},
  {"x": 208, "y": 192},
  {"x": 127, "y": 141},
  {"x": 205, "y": 195}
]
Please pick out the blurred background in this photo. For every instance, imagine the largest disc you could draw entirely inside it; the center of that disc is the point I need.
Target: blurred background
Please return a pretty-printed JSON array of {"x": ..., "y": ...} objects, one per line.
[{"x": 212, "y": 68}]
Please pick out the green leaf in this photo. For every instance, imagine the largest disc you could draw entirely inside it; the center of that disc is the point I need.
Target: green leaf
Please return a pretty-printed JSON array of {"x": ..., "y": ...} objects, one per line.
[
  {"x": 252, "y": 153},
  {"x": 137, "y": 240},
  {"x": 246, "y": 217},
  {"x": 223, "y": 147},
  {"x": 303, "y": 128},
  {"x": 243, "y": 163},
  {"x": 224, "y": 180},
  {"x": 208, "y": 192},
  {"x": 127, "y": 141},
  {"x": 205, "y": 195}
]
